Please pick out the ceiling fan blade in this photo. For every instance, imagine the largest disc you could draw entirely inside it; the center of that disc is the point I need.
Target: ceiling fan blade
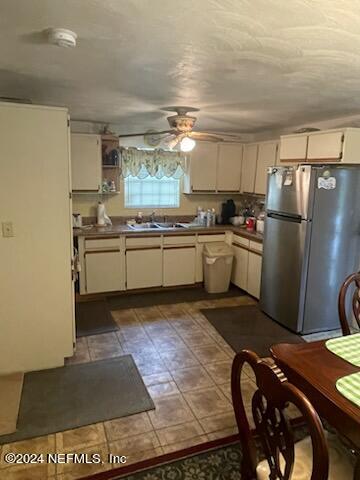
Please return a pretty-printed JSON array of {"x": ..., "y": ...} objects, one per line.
[
  {"x": 206, "y": 137},
  {"x": 142, "y": 134},
  {"x": 176, "y": 140}
]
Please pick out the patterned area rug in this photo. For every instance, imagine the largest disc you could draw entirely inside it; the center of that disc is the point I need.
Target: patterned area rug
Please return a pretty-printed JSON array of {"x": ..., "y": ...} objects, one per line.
[{"x": 222, "y": 463}]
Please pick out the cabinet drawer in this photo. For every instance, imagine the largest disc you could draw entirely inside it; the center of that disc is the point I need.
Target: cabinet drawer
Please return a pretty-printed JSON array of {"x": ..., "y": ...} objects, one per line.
[
  {"x": 256, "y": 246},
  {"x": 245, "y": 242},
  {"x": 102, "y": 243},
  {"x": 179, "y": 240},
  {"x": 132, "y": 242},
  {"x": 211, "y": 238}
]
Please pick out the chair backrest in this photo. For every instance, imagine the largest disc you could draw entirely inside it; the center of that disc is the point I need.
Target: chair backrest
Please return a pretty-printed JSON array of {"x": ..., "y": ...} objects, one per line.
[
  {"x": 351, "y": 280},
  {"x": 274, "y": 430}
]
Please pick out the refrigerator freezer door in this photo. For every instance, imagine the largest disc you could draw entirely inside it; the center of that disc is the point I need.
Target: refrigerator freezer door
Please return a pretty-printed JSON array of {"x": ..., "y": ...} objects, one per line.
[
  {"x": 335, "y": 244},
  {"x": 289, "y": 190},
  {"x": 282, "y": 278}
]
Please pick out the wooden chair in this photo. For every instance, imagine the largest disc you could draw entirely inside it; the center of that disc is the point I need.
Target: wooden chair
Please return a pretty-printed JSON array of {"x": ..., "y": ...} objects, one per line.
[
  {"x": 273, "y": 428},
  {"x": 354, "y": 278}
]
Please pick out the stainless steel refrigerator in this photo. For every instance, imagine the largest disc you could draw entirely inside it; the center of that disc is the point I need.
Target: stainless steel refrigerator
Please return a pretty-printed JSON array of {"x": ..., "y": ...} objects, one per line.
[{"x": 311, "y": 243}]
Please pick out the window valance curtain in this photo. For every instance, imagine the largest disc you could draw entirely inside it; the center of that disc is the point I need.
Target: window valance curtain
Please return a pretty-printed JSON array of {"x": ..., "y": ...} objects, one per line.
[{"x": 154, "y": 163}]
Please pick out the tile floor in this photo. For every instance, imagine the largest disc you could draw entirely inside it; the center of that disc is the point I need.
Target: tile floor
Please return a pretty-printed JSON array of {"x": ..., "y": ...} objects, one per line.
[{"x": 185, "y": 364}]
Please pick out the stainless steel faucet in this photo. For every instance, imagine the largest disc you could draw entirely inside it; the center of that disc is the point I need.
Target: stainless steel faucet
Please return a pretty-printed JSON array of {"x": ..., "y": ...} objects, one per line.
[{"x": 152, "y": 217}]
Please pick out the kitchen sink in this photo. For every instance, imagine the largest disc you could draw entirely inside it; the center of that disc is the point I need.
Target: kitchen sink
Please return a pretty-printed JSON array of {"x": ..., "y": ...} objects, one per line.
[
  {"x": 144, "y": 226},
  {"x": 169, "y": 225},
  {"x": 156, "y": 226}
]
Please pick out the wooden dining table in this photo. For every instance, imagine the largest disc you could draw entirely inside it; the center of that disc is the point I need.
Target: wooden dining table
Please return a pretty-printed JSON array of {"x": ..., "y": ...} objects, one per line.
[{"x": 315, "y": 370}]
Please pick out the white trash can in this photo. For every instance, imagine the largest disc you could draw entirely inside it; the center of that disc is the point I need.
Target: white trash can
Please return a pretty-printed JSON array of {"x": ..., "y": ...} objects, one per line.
[{"x": 218, "y": 258}]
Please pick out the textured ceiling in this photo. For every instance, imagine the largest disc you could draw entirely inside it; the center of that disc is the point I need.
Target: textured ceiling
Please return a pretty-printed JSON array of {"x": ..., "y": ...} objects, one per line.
[{"x": 249, "y": 65}]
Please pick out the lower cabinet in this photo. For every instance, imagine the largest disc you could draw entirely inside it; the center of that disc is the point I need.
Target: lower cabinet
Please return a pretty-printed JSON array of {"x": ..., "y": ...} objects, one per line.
[
  {"x": 240, "y": 266},
  {"x": 246, "y": 272},
  {"x": 179, "y": 266},
  {"x": 144, "y": 268},
  {"x": 105, "y": 271},
  {"x": 254, "y": 274}
]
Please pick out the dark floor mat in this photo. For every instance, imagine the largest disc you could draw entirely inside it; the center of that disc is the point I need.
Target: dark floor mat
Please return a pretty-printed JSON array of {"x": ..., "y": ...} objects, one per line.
[
  {"x": 165, "y": 297},
  {"x": 68, "y": 397},
  {"x": 247, "y": 327},
  {"x": 93, "y": 318}
]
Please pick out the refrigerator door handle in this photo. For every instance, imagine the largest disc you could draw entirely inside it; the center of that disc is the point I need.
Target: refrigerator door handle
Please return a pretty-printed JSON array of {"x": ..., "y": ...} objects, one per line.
[{"x": 285, "y": 217}]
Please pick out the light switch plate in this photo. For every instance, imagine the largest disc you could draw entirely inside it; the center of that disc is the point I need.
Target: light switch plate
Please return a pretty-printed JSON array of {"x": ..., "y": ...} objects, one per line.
[{"x": 7, "y": 229}]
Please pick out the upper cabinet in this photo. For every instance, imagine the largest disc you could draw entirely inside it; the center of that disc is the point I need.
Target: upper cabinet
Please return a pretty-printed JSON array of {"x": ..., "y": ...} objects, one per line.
[
  {"x": 293, "y": 148},
  {"x": 248, "y": 168},
  {"x": 338, "y": 145},
  {"x": 229, "y": 167},
  {"x": 214, "y": 168},
  {"x": 202, "y": 168},
  {"x": 267, "y": 156},
  {"x": 325, "y": 146},
  {"x": 86, "y": 162}
]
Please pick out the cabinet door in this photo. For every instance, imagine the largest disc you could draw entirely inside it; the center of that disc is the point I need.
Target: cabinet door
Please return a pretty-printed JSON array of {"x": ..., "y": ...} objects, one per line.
[
  {"x": 104, "y": 271},
  {"x": 266, "y": 158},
  {"x": 325, "y": 146},
  {"x": 248, "y": 168},
  {"x": 240, "y": 267},
  {"x": 203, "y": 167},
  {"x": 86, "y": 162},
  {"x": 254, "y": 274},
  {"x": 293, "y": 148},
  {"x": 229, "y": 167},
  {"x": 179, "y": 266},
  {"x": 144, "y": 268}
]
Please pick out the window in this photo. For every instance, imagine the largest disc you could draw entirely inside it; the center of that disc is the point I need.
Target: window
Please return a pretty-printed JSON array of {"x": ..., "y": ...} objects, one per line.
[{"x": 152, "y": 192}]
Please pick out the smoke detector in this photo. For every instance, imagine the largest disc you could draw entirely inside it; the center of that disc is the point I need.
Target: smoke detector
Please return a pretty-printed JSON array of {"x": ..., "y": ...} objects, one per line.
[{"x": 62, "y": 37}]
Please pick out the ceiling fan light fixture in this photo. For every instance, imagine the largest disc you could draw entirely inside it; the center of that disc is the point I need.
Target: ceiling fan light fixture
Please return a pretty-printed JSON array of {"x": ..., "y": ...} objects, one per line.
[{"x": 187, "y": 144}]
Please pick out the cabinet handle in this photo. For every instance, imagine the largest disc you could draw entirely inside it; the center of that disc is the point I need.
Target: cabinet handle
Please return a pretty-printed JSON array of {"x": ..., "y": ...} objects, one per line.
[
  {"x": 179, "y": 246},
  {"x": 90, "y": 252},
  {"x": 137, "y": 249}
]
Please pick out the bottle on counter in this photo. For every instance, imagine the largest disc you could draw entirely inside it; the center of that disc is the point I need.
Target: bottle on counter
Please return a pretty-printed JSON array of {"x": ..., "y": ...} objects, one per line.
[
  {"x": 213, "y": 217},
  {"x": 208, "y": 218}
]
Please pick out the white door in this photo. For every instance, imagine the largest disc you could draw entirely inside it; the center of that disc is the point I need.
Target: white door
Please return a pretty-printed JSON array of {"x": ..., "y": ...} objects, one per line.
[
  {"x": 86, "y": 162},
  {"x": 229, "y": 167},
  {"x": 325, "y": 146},
  {"x": 104, "y": 271},
  {"x": 254, "y": 274},
  {"x": 293, "y": 148},
  {"x": 240, "y": 267},
  {"x": 203, "y": 165},
  {"x": 248, "y": 168},
  {"x": 179, "y": 266},
  {"x": 144, "y": 268},
  {"x": 266, "y": 158}
]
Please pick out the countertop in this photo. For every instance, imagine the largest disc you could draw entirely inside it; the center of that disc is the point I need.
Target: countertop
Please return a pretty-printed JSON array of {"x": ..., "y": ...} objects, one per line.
[{"x": 122, "y": 229}]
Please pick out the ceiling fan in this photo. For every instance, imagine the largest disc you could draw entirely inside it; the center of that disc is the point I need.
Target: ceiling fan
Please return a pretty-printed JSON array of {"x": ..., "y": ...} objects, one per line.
[{"x": 181, "y": 131}]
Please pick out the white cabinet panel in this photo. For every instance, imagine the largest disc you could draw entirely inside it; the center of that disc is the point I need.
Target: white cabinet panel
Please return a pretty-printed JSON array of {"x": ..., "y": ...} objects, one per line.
[
  {"x": 248, "y": 168},
  {"x": 144, "y": 268},
  {"x": 325, "y": 146},
  {"x": 179, "y": 266},
  {"x": 254, "y": 274},
  {"x": 104, "y": 271},
  {"x": 203, "y": 166},
  {"x": 229, "y": 167},
  {"x": 240, "y": 267},
  {"x": 266, "y": 158},
  {"x": 293, "y": 148},
  {"x": 86, "y": 170}
]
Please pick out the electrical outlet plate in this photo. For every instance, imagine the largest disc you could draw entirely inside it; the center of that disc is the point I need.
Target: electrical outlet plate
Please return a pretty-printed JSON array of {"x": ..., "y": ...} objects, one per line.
[{"x": 7, "y": 229}]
